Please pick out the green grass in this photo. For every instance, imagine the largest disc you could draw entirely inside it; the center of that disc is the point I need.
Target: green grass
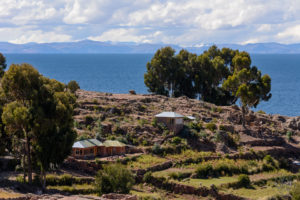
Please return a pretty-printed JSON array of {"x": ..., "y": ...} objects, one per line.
[
  {"x": 260, "y": 192},
  {"x": 146, "y": 161},
  {"x": 208, "y": 182},
  {"x": 75, "y": 188},
  {"x": 167, "y": 172},
  {"x": 189, "y": 154}
]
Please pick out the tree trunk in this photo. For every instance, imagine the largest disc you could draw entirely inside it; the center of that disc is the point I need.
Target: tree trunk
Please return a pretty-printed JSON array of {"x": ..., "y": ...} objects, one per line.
[
  {"x": 28, "y": 158},
  {"x": 24, "y": 169},
  {"x": 43, "y": 179}
]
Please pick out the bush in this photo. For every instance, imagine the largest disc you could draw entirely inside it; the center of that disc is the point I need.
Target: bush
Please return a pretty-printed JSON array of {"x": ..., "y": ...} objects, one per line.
[
  {"x": 114, "y": 178},
  {"x": 73, "y": 86},
  {"x": 154, "y": 122},
  {"x": 269, "y": 160},
  {"x": 243, "y": 180},
  {"x": 261, "y": 112},
  {"x": 204, "y": 171},
  {"x": 211, "y": 126},
  {"x": 156, "y": 149},
  {"x": 89, "y": 120},
  {"x": 196, "y": 126},
  {"x": 289, "y": 135},
  {"x": 176, "y": 140},
  {"x": 295, "y": 192},
  {"x": 147, "y": 177}
]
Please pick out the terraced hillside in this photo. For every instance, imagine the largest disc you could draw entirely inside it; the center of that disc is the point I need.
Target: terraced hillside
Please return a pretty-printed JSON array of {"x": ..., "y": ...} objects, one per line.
[
  {"x": 213, "y": 157},
  {"x": 130, "y": 118}
]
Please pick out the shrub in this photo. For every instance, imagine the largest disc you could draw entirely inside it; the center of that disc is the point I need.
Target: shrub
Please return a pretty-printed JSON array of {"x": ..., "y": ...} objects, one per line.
[
  {"x": 20, "y": 179},
  {"x": 289, "y": 135},
  {"x": 222, "y": 128},
  {"x": 261, "y": 112},
  {"x": 114, "y": 178},
  {"x": 269, "y": 160},
  {"x": 142, "y": 122},
  {"x": 89, "y": 120},
  {"x": 156, "y": 149},
  {"x": 295, "y": 192},
  {"x": 179, "y": 175},
  {"x": 211, "y": 126},
  {"x": 196, "y": 126},
  {"x": 73, "y": 86},
  {"x": 147, "y": 177},
  {"x": 154, "y": 122},
  {"x": 176, "y": 140},
  {"x": 203, "y": 135},
  {"x": 204, "y": 170},
  {"x": 243, "y": 180}
]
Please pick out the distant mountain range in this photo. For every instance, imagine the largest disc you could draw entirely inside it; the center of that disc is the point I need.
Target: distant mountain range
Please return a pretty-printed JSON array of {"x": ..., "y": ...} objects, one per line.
[{"x": 89, "y": 46}]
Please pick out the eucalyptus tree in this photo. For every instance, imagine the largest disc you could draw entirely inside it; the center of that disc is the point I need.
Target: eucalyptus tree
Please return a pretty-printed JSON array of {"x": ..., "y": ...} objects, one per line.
[
  {"x": 40, "y": 112},
  {"x": 247, "y": 83}
]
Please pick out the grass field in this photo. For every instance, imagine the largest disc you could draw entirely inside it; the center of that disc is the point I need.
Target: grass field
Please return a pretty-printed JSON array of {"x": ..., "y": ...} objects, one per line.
[
  {"x": 208, "y": 182},
  {"x": 260, "y": 192},
  {"x": 145, "y": 161}
]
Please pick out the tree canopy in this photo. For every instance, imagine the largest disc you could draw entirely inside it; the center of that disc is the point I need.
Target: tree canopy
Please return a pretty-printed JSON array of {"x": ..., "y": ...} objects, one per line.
[
  {"x": 38, "y": 114},
  {"x": 219, "y": 76}
]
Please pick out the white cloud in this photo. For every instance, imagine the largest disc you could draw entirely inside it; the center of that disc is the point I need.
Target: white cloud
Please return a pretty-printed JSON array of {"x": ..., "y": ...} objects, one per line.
[
  {"x": 290, "y": 34},
  {"x": 41, "y": 37},
  {"x": 185, "y": 22}
]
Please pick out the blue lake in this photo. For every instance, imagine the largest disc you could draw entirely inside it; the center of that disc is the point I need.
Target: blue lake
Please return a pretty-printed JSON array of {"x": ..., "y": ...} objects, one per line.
[{"x": 119, "y": 73}]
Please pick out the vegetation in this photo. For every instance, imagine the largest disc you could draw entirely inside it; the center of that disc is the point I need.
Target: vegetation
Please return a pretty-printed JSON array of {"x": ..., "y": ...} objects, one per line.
[
  {"x": 73, "y": 86},
  {"x": 244, "y": 180},
  {"x": 295, "y": 192},
  {"x": 217, "y": 76},
  {"x": 193, "y": 76},
  {"x": 38, "y": 115},
  {"x": 113, "y": 178}
]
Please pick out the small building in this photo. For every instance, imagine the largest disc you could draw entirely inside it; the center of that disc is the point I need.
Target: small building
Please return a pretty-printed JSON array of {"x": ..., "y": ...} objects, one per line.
[
  {"x": 87, "y": 148},
  {"x": 172, "y": 120},
  {"x": 114, "y": 147},
  {"x": 93, "y": 147}
]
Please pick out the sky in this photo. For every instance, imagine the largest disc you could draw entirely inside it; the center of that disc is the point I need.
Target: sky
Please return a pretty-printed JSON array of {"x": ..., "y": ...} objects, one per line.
[{"x": 180, "y": 22}]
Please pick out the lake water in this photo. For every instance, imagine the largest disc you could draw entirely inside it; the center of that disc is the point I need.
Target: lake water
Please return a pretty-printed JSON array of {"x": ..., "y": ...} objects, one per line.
[{"x": 119, "y": 73}]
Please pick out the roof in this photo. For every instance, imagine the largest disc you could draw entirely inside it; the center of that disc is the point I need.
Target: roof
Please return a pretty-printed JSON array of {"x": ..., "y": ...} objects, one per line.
[
  {"x": 169, "y": 114},
  {"x": 87, "y": 143},
  {"x": 191, "y": 117},
  {"x": 113, "y": 143}
]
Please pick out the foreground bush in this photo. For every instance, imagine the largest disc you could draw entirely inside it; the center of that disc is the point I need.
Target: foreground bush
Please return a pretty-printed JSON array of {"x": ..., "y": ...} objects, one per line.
[
  {"x": 114, "y": 179},
  {"x": 243, "y": 180},
  {"x": 295, "y": 192}
]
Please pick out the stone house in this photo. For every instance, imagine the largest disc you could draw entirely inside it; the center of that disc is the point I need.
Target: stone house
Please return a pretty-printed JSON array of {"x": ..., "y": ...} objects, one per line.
[
  {"x": 172, "y": 120},
  {"x": 93, "y": 148}
]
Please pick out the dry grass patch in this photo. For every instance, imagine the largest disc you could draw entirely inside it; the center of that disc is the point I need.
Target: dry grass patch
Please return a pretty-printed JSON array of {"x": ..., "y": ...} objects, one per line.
[
  {"x": 8, "y": 195},
  {"x": 146, "y": 161}
]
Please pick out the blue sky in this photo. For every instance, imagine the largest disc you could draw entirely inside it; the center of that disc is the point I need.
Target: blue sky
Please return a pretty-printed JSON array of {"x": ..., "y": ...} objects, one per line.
[{"x": 186, "y": 23}]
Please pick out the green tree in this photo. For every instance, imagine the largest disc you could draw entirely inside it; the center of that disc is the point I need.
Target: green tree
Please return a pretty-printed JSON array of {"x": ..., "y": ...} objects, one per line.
[
  {"x": 20, "y": 86},
  {"x": 2, "y": 64},
  {"x": 247, "y": 83},
  {"x": 161, "y": 74},
  {"x": 73, "y": 86},
  {"x": 38, "y": 111},
  {"x": 114, "y": 178},
  {"x": 53, "y": 126}
]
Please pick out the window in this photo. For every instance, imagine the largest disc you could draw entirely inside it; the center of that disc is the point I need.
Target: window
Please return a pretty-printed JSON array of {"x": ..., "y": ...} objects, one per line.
[{"x": 77, "y": 152}]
